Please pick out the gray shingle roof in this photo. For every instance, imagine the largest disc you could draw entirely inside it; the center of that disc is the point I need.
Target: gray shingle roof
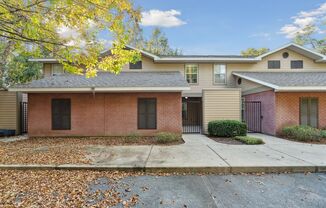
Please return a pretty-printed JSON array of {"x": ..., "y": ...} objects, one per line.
[
  {"x": 109, "y": 80},
  {"x": 288, "y": 79}
]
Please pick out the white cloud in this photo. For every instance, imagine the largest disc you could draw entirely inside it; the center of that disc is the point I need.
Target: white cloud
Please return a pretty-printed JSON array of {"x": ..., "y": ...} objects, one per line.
[
  {"x": 161, "y": 18},
  {"x": 303, "y": 19},
  {"x": 67, "y": 32}
]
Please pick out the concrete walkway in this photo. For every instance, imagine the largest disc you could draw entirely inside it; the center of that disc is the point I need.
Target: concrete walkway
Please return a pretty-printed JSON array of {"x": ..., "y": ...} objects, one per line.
[
  {"x": 202, "y": 153},
  {"x": 199, "y": 153}
]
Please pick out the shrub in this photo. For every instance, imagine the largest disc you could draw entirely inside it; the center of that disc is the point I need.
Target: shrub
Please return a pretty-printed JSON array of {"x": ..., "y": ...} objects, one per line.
[
  {"x": 132, "y": 137},
  {"x": 227, "y": 128},
  {"x": 302, "y": 133},
  {"x": 249, "y": 140},
  {"x": 167, "y": 137},
  {"x": 323, "y": 134}
]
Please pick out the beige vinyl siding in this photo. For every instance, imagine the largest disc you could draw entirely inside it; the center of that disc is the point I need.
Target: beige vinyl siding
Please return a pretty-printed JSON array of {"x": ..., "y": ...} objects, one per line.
[
  {"x": 308, "y": 65},
  {"x": 249, "y": 87},
  {"x": 221, "y": 104},
  {"x": 8, "y": 110},
  {"x": 205, "y": 74}
]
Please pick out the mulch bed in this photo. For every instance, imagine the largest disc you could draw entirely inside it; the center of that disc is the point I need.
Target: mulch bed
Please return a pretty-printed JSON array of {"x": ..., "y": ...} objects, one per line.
[
  {"x": 58, "y": 188},
  {"x": 226, "y": 140},
  {"x": 62, "y": 150}
]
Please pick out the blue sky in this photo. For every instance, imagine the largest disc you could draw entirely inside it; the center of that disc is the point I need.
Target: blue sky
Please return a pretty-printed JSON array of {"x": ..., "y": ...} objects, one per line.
[{"x": 227, "y": 27}]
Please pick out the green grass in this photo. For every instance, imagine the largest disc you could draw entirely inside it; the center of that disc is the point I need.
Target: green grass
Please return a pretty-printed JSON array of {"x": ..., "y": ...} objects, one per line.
[{"x": 249, "y": 140}]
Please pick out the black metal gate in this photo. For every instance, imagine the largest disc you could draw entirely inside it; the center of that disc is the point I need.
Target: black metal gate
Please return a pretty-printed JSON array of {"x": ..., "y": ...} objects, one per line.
[
  {"x": 252, "y": 115},
  {"x": 23, "y": 117},
  {"x": 191, "y": 115}
]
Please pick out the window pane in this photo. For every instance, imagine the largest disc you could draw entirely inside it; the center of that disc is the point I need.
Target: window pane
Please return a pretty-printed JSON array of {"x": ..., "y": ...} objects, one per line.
[
  {"x": 220, "y": 73},
  {"x": 191, "y": 73},
  {"x": 137, "y": 65},
  {"x": 147, "y": 113},
  {"x": 313, "y": 112},
  {"x": 297, "y": 64},
  {"x": 274, "y": 64},
  {"x": 304, "y": 111},
  {"x": 61, "y": 114},
  {"x": 220, "y": 78},
  {"x": 57, "y": 69}
]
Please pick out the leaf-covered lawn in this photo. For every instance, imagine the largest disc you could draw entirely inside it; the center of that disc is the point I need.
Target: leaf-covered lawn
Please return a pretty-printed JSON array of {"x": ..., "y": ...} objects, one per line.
[
  {"x": 62, "y": 150},
  {"x": 43, "y": 151},
  {"x": 57, "y": 188}
]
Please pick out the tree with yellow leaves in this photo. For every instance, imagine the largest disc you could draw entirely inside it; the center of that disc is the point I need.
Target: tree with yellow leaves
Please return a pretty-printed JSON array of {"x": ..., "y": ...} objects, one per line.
[{"x": 69, "y": 30}]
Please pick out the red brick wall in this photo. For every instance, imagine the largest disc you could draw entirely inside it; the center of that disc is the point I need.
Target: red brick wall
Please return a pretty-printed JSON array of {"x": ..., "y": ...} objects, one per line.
[
  {"x": 288, "y": 108},
  {"x": 103, "y": 114},
  {"x": 267, "y": 99}
]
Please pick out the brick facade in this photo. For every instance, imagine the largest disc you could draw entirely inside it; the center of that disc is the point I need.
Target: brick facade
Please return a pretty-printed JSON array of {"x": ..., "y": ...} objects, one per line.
[
  {"x": 103, "y": 114},
  {"x": 282, "y": 109},
  {"x": 288, "y": 108}
]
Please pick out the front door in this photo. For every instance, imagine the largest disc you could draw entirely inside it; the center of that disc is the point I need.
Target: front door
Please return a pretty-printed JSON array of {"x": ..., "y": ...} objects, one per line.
[{"x": 191, "y": 115}]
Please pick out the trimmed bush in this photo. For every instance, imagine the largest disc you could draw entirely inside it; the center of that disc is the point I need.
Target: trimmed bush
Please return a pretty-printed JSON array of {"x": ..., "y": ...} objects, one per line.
[
  {"x": 323, "y": 134},
  {"x": 132, "y": 137},
  {"x": 302, "y": 133},
  {"x": 249, "y": 140},
  {"x": 227, "y": 128},
  {"x": 167, "y": 137}
]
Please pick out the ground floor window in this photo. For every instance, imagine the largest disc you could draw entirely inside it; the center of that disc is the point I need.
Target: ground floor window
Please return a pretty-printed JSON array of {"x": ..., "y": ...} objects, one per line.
[
  {"x": 147, "y": 113},
  {"x": 309, "y": 111},
  {"x": 61, "y": 114}
]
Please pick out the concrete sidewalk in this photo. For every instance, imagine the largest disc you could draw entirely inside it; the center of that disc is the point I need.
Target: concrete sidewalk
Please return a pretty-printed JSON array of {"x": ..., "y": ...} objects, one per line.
[{"x": 201, "y": 154}]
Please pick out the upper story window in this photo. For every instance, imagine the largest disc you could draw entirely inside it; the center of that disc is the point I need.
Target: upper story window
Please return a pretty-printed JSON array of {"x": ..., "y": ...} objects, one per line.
[
  {"x": 275, "y": 64},
  {"x": 57, "y": 69},
  {"x": 191, "y": 73},
  {"x": 219, "y": 74},
  {"x": 137, "y": 65},
  {"x": 297, "y": 64}
]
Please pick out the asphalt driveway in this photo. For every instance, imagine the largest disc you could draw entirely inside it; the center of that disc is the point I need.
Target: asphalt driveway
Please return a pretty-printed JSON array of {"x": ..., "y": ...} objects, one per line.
[{"x": 284, "y": 190}]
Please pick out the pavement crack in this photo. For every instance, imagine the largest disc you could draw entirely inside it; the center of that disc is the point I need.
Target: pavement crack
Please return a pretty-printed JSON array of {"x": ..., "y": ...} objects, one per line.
[
  {"x": 209, "y": 188},
  {"x": 150, "y": 151},
  {"x": 218, "y": 155}
]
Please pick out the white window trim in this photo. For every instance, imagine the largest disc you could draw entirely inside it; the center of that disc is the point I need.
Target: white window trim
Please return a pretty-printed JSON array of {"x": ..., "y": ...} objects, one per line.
[
  {"x": 53, "y": 74},
  {"x": 225, "y": 79},
  {"x": 185, "y": 72}
]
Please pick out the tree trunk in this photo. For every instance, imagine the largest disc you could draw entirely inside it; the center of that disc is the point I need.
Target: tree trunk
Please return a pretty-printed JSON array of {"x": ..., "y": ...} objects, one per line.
[{"x": 3, "y": 61}]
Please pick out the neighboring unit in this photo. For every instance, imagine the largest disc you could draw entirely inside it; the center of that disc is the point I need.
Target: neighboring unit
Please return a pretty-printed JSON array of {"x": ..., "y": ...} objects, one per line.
[
  {"x": 181, "y": 94},
  {"x": 11, "y": 104}
]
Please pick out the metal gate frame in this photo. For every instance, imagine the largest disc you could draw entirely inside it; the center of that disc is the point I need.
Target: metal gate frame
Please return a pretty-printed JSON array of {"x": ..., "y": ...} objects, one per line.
[
  {"x": 252, "y": 116},
  {"x": 192, "y": 126},
  {"x": 23, "y": 117}
]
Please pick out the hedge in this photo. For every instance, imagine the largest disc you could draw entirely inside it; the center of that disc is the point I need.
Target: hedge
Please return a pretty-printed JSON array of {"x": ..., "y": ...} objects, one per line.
[
  {"x": 227, "y": 128},
  {"x": 168, "y": 137},
  {"x": 302, "y": 133}
]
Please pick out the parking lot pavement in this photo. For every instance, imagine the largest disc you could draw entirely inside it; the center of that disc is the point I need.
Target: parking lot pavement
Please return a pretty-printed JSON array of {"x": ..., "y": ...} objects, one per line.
[{"x": 273, "y": 190}]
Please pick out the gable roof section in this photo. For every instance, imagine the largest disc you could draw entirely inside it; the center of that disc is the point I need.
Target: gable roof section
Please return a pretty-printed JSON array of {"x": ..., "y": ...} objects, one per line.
[
  {"x": 318, "y": 57},
  {"x": 287, "y": 81},
  {"x": 108, "y": 82},
  {"x": 298, "y": 49}
]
